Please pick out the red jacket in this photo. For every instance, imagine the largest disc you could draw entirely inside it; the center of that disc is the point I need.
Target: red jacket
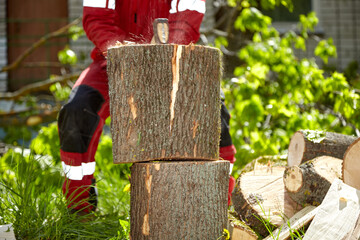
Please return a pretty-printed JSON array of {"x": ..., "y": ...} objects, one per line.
[{"x": 108, "y": 21}]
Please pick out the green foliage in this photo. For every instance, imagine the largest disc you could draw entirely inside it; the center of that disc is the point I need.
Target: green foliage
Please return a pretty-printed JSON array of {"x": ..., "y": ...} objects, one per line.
[
  {"x": 75, "y": 32},
  {"x": 325, "y": 49},
  {"x": 67, "y": 56},
  {"x": 18, "y": 135},
  {"x": 274, "y": 93},
  {"x": 60, "y": 92},
  {"x": 47, "y": 142},
  {"x": 308, "y": 23},
  {"x": 252, "y": 19},
  {"x": 31, "y": 197}
]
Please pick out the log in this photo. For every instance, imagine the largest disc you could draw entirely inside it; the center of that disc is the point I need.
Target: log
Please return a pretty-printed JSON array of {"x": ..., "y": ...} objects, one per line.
[
  {"x": 307, "y": 144},
  {"x": 300, "y": 220},
  {"x": 164, "y": 102},
  {"x": 351, "y": 165},
  {"x": 355, "y": 233},
  {"x": 308, "y": 183},
  {"x": 179, "y": 200},
  {"x": 337, "y": 214},
  {"x": 260, "y": 193},
  {"x": 239, "y": 230}
]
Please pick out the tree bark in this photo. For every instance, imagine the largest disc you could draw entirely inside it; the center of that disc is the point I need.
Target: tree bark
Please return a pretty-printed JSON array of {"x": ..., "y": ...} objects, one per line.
[
  {"x": 307, "y": 144},
  {"x": 164, "y": 102},
  {"x": 351, "y": 166},
  {"x": 179, "y": 200},
  {"x": 309, "y": 182},
  {"x": 260, "y": 193}
]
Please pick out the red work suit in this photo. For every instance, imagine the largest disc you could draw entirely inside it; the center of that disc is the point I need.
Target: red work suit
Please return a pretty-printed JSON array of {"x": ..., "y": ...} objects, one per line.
[{"x": 81, "y": 120}]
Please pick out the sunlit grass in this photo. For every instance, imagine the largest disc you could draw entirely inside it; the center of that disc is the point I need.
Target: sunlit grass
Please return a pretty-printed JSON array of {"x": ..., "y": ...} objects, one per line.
[{"x": 31, "y": 200}]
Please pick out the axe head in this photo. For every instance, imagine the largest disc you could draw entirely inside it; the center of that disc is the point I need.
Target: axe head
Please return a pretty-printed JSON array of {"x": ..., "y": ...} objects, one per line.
[{"x": 161, "y": 30}]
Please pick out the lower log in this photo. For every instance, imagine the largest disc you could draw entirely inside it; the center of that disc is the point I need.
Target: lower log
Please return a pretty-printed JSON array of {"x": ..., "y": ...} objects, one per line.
[
  {"x": 179, "y": 200},
  {"x": 307, "y": 144},
  {"x": 309, "y": 182},
  {"x": 260, "y": 193}
]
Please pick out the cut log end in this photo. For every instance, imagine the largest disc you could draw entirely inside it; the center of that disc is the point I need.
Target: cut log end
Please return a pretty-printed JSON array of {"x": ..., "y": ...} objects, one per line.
[
  {"x": 309, "y": 182},
  {"x": 351, "y": 166},
  {"x": 296, "y": 149},
  {"x": 293, "y": 179}
]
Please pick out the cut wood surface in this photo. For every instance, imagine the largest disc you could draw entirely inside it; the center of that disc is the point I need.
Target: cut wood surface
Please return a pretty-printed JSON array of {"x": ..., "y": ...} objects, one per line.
[
  {"x": 164, "y": 102},
  {"x": 7, "y": 232},
  {"x": 239, "y": 230},
  {"x": 337, "y": 215},
  {"x": 355, "y": 233},
  {"x": 179, "y": 200},
  {"x": 309, "y": 182},
  {"x": 261, "y": 193},
  {"x": 300, "y": 220},
  {"x": 351, "y": 165},
  {"x": 307, "y": 144}
]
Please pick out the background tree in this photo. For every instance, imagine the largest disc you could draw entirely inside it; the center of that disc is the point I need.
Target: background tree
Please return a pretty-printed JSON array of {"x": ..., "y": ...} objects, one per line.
[{"x": 271, "y": 92}]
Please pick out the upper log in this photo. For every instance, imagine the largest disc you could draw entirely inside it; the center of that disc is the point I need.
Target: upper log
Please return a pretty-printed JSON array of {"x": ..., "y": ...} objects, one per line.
[
  {"x": 308, "y": 144},
  {"x": 164, "y": 102}
]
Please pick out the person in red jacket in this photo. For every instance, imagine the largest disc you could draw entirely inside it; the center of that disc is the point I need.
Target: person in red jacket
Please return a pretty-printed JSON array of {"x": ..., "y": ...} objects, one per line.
[{"x": 82, "y": 118}]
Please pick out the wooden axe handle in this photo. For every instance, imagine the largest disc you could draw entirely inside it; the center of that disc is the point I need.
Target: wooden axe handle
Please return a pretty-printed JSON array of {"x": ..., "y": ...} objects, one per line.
[{"x": 161, "y": 30}]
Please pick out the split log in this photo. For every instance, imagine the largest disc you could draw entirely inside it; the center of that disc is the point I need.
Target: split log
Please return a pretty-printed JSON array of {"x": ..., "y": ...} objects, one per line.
[
  {"x": 300, "y": 220},
  {"x": 337, "y": 215},
  {"x": 307, "y": 144},
  {"x": 260, "y": 193},
  {"x": 239, "y": 230},
  {"x": 354, "y": 234},
  {"x": 7, "y": 232},
  {"x": 179, "y": 200},
  {"x": 164, "y": 102},
  {"x": 351, "y": 165},
  {"x": 309, "y": 182}
]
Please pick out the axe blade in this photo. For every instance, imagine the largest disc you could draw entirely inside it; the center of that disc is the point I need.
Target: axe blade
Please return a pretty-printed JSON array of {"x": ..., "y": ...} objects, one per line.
[{"x": 161, "y": 30}]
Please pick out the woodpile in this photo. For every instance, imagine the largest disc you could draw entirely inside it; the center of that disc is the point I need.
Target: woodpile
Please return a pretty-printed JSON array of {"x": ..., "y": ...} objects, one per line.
[{"x": 314, "y": 195}]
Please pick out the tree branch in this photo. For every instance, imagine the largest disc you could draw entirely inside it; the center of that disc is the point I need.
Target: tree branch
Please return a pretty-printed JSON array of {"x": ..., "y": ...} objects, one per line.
[
  {"x": 39, "y": 43},
  {"x": 38, "y": 86}
]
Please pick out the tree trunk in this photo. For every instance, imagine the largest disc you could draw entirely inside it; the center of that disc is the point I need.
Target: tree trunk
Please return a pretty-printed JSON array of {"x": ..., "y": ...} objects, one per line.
[
  {"x": 164, "y": 102},
  {"x": 351, "y": 165},
  {"x": 260, "y": 193},
  {"x": 309, "y": 182},
  {"x": 307, "y": 144},
  {"x": 179, "y": 200}
]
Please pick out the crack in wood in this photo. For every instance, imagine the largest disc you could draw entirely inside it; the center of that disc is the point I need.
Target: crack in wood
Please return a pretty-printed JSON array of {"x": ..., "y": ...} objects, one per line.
[
  {"x": 176, "y": 79},
  {"x": 132, "y": 107}
]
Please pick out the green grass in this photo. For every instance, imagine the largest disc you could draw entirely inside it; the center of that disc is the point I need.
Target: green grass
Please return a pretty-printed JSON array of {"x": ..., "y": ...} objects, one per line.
[
  {"x": 265, "y": 220},
  {"x": 31, "y": 198}
]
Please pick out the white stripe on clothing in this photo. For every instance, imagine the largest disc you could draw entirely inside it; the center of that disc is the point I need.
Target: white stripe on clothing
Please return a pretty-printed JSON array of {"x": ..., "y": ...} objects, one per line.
[
  {"x": 192, "y": 5},
  {"x": 78, "y": 172},
  {"x": 99, "y": 3},
  {"x": 111, "y": 4}
]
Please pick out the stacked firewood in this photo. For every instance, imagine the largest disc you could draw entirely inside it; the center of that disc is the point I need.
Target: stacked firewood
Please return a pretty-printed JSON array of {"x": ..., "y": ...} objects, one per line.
[{"x": 315, "y": 189}]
